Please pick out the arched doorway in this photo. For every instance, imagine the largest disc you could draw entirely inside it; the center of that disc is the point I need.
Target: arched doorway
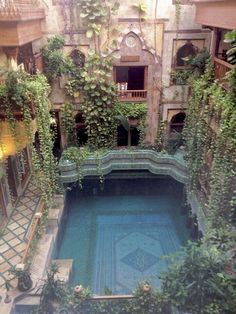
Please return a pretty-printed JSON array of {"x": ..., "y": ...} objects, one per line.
[
  {"x": 177, "y": 122},
  {"x": 123, "y": 136}
]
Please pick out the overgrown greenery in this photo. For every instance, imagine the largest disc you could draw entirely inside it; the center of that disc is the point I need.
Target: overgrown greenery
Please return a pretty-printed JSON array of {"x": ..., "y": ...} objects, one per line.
[
  {"x": 98, "y": 100},
  {"x": 56, "y": 62},
  {"x": 195, "y": 66},
  {"x": 28, "y": 95},
  {"x": 77, "y": 155},
  {"x": 230, "y": 37},
  {"x": 147, "y": 300},
  {"x": 211, "y": 105},
  {"x": 198, "y": 282},
  {"x": 68, "y": 122},
  {"x": 97, "y": 14}
]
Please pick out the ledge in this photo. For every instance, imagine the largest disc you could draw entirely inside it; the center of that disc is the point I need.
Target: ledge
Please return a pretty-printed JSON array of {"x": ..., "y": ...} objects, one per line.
[{"x": 156, "y": 163}]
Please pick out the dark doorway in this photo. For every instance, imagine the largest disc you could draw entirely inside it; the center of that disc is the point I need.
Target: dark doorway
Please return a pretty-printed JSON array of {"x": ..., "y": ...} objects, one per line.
[
  {"x": 122, "y": 136},
  {"x": 134, "y": 76},
  {"x": 81, "y": 131},
  {"x": 186, "y": 50},
  {"x": 177, "y": 122}
]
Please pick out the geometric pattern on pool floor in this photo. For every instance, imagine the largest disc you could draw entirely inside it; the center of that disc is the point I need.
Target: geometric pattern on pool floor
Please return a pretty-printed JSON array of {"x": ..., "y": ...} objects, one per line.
[{"x": 130, "y": 249}]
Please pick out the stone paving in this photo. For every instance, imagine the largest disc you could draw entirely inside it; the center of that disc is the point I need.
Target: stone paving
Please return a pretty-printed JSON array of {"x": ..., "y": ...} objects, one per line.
[{"x": 14, "y": 240}]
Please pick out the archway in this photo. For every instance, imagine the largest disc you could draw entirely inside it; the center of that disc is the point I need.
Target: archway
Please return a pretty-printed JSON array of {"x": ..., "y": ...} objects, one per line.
[
  {"x": 186, "y": 50},
  {"x": 177, "y": 122}
]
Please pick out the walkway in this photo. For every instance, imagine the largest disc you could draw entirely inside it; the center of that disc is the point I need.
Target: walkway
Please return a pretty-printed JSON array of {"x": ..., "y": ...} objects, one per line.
[{"x": 14, "y": 240}]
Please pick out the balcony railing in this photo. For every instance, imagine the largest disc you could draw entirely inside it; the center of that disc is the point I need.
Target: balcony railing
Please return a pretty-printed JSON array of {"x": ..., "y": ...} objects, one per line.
[
  {"x": 221, "y": 68},
  {"x": 132, "y": 95}
]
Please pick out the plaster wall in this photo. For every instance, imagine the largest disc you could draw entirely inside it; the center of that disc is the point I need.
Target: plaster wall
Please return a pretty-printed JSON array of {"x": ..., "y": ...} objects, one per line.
[
  {"x": 157, "y": 34},
  {"x": 3, "y": 59}
]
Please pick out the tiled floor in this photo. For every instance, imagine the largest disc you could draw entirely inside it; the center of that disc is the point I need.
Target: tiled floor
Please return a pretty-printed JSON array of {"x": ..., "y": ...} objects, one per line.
[{"x": 14, "y": 240}]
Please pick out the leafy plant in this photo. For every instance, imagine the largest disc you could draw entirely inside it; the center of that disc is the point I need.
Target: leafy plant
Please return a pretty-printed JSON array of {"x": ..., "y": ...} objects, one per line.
[
  {"x": 97, "y": 14},
  {"x": 24, "y": 279},
  {"x": 56, "y": 62},
  {"x": 230, "y": 37},
  {"x": 99, "y": 97},
  {"x": 196, "y": 283},
  {"x": 77, "y": 155},
  {"x": 68, "y": 122},
  {"x": 131, "y": 110},
  {"x": 52, "y": 290}
]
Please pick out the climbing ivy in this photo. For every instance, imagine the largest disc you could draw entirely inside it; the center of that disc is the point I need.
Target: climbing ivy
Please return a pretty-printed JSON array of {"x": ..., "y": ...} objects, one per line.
[
  {"x": 56, "y": 62},
  {"x": 68, "y": 122},
  {"x": 29, "y": 95},
  {"x": 211, "y": 106},
  {"x": 97, "y": 14},
  {"x": 98, "y": 100}
]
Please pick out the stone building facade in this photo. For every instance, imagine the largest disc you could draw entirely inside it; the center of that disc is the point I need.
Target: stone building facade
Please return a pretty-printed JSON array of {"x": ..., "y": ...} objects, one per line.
[{"x": 143, "y": 43}]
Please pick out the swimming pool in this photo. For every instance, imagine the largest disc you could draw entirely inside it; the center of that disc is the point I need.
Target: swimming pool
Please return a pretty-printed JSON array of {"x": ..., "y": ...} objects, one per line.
[{"x": 119, "y": 235}]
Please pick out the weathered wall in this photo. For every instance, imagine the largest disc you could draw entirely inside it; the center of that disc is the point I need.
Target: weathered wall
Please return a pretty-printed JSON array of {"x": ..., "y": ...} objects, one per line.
[{"x": 157, "y": 34}]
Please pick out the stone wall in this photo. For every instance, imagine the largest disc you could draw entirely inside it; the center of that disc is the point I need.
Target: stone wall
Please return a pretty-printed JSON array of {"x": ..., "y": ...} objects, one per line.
[{"x": 156, "y": 37}]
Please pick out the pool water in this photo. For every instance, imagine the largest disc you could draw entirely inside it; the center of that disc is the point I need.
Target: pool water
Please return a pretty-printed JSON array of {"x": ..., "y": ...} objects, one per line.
[{"x": 118, "y": 236}]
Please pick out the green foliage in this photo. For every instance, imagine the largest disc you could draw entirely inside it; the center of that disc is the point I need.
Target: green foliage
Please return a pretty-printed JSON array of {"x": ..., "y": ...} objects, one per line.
[
  {"x": 29, "y": 95},
  {"x": 198, "y": 284},
  {"x": 146, "y": 300},
  {"x": 24, "y": 280},
  {"x": 99, "y": 97},
  {"x": 77, "y": 155},
  {"x": 230, "y": 37},
  {"x": 196, "y": 67},
  {"x": 180, "y": 76},
  {"x": 96, "y": 13},
  {"x": 68, "y": 122},
  {"x": 210, "y": 104},
  {"x": 56, "y": 62},
  {"x": 196, "y": 131},
  {"x": 131, "y": 110},
  {"x": 52, "y": 290},
  {"x": 200, "y": 61},
  {"x": 141, "y": 7}
]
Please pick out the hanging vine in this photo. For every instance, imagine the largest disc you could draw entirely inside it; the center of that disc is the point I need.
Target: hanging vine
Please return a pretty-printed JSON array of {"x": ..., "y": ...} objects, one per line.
[
  {"x": 29, "y": 95},
  {"x": 210, "y": 104},
  {"x": 98, "y": 101}
]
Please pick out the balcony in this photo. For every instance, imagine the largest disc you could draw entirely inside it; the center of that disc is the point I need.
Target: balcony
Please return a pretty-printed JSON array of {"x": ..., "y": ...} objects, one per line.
[
  {"x": 221, "y": 67},
  {"x": 20, "y": 22},
  {"x": 216, "y": 13},
  {"x": 132, "y": 95}
]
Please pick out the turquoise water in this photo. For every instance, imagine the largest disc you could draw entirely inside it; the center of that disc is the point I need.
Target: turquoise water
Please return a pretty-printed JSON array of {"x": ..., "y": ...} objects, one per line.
[{"x": 119, "y": 236}]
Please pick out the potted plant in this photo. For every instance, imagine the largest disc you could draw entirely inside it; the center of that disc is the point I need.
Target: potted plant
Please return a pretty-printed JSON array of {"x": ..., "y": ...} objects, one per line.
[{"x": 23, "y": 276}]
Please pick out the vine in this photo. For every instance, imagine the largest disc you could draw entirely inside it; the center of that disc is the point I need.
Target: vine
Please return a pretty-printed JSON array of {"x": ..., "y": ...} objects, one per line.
[
  {"x": 97, "y": 14},
  {"x": 210, "y": 104},
  {"x": 68, "y": 122},
  {"x": 98, "y": 101},
  {"x": 29, "y": 95},
  {"x": 56, "y": 62}
]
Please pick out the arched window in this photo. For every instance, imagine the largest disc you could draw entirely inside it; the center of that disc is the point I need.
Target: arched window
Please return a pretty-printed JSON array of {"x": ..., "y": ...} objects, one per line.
[
  {"x": 177, "y": 122},
  {"x": 78, "y": 58},
  {"x": 186, "y": 50}
]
